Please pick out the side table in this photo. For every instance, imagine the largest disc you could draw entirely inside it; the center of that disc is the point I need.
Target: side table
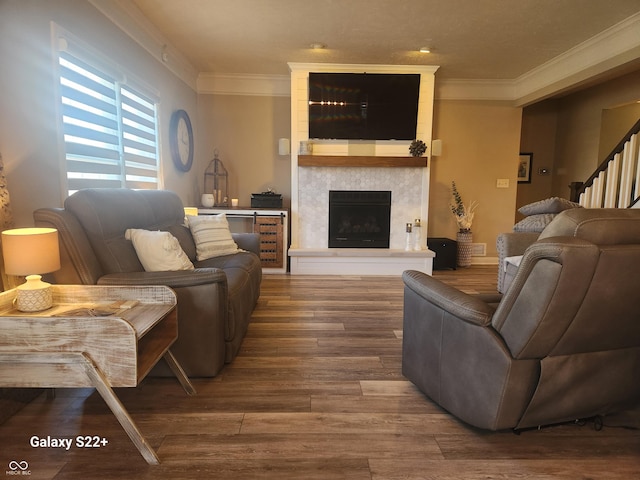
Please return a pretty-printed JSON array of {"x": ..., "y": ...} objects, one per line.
[
  {"x": 271, "y": 225},
  {"x": 446, "y": 252},
  {"x": 89, "y": 338}
]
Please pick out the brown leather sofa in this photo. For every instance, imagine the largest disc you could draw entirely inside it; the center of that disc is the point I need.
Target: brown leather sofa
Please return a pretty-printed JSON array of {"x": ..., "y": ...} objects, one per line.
[
  {"x": 563, "y": 343},
  {"x": 215, "y": 301}
]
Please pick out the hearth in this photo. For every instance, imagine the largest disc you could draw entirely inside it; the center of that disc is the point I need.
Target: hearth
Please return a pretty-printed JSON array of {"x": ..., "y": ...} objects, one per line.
[{"x": 359, "y": 219}]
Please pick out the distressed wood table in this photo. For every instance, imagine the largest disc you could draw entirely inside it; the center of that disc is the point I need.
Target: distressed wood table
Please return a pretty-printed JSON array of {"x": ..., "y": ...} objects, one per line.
[{"x": 93, "y": 336}]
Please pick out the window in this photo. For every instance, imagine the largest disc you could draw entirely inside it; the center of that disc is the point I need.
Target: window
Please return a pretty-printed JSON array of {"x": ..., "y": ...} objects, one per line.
[{"x": 110, "y": 130}]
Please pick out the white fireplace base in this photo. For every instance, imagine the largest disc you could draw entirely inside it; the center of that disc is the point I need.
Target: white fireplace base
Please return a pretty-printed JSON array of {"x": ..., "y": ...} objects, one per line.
[{"x": 359, "y": 261}]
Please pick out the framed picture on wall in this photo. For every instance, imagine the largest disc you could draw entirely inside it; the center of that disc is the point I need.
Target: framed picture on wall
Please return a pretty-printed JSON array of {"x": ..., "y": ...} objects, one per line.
[{"x": 524, "y": 167}]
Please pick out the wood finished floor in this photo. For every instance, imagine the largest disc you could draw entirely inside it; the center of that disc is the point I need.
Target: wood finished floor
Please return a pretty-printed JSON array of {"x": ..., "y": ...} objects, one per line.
[{"x": 316, "y": 393}]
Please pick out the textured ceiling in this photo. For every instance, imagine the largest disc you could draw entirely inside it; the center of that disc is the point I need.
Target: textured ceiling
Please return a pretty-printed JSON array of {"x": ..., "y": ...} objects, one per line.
[{"x": 470, "y": 39}]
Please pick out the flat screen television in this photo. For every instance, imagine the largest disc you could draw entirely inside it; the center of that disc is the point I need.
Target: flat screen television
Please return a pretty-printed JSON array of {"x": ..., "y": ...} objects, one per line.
[{"x": 363, "y": 106}]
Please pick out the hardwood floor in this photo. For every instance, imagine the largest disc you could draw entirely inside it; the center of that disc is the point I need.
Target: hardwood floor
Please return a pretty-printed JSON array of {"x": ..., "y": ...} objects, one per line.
[{"x": 316, "y": 393}]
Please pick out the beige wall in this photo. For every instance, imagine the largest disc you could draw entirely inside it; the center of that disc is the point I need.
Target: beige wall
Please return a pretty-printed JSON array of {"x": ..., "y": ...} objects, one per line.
[
  {"x": 539, "y": 126},
  {"x": 572, "y": 135},
  {"x": 480, "y": 144},
  {"x": 579, "y": 125},
  {"x": 616, "y": 123},
  {"x": 29, "y": 136},
  {"x": 245, "y": 131}
]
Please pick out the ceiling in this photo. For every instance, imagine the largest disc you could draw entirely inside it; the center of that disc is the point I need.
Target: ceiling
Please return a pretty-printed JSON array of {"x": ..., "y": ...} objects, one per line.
[{"x": 470, "y": 39}]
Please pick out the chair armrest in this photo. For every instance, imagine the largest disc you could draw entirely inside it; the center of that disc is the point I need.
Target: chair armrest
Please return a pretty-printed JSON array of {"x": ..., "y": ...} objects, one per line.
[
  {"x": 491, "y": 299},
  {"x": 248, "y": 241},
  {"x": 511, "y": 244},
  {"x": 466, "y": 307},
  {"x": 78, "y": 262},
  {"x": 173, "y": 279}
]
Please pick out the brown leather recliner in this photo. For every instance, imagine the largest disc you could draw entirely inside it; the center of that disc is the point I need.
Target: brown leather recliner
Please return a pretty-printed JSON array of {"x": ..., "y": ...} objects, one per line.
[
  {"x": 563, "y": 343},
  {"x": 215, "y": 301}
]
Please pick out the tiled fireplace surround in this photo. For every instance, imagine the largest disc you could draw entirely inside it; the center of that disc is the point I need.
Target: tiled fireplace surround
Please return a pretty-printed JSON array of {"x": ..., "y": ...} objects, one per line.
[
  {"x": 312, "y": 255},
  {"x": 313, "y": 199},
  {"x": 409, "y": 186}
]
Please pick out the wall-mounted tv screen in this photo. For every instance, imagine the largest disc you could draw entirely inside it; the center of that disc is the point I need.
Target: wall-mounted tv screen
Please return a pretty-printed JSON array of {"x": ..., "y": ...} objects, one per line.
[{"x": 363, "y": 106}]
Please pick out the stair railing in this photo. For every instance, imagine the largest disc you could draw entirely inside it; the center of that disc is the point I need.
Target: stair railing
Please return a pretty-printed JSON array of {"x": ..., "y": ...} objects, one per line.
[{"x": 616, "y": 182}]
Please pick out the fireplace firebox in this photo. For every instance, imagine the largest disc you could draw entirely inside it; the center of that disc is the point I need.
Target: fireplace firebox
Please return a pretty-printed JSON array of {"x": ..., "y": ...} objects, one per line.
[{"x": 359, "y": 219}]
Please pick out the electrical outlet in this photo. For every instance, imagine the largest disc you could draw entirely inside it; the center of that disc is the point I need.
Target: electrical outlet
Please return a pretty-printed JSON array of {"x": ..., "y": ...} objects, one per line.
[{"x": 502, "y": 183}]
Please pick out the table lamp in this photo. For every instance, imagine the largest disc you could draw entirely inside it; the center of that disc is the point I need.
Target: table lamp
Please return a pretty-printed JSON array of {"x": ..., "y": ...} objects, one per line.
[
  {"x": 191, "y": 211},
  {"x": 30, "y": 252}
]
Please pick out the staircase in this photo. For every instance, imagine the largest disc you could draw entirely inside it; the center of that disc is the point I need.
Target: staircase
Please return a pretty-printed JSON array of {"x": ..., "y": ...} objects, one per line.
[{"x": 616, "y": 182}]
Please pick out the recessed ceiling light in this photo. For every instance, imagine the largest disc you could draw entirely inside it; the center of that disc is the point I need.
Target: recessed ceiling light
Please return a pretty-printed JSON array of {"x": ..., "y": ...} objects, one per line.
[
  {"x": 318, "y": 46},
  {"x": 425, "y": 50}
]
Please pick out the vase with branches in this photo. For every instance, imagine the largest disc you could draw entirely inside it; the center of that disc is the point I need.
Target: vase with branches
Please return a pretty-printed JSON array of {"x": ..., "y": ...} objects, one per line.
[
  {"x": 464, "y": 218},
  {"x": 464, "y": 213}
]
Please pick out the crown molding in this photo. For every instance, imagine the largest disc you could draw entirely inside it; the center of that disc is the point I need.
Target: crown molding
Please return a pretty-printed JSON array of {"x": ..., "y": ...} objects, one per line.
[
  {"x": 610, "y": 49},
  {"x": 126, "y": 16},
  {"x": 280, "y": 85},
  {"x": 488, "y": 90},
  {"x": 361, "y": 68},
  {"x": 244, "y": 84}
]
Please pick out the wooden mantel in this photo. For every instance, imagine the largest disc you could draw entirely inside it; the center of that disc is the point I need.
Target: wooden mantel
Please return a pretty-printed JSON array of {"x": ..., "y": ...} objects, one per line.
[{"x": 359, "y": 161}]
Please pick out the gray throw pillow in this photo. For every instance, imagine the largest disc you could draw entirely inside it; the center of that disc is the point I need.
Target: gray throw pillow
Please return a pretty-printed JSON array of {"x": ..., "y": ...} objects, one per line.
[
  {"x": 550, "y": 205},
  {"x": 534, "y": 223}
]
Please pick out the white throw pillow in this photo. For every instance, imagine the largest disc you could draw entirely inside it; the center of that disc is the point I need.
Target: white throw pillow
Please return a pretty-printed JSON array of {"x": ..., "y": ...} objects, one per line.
[
  {"x": 158, "y": 251},
  {"x": 212, "y": 236}
]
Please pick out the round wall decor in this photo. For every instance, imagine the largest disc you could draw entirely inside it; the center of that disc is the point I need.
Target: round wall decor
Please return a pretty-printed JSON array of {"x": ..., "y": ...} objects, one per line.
[{"x": 181, "y": 140}]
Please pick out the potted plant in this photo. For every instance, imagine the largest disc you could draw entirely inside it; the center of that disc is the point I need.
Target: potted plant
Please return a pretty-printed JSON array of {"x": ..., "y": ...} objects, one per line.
[{"x": 464, "y": 218}]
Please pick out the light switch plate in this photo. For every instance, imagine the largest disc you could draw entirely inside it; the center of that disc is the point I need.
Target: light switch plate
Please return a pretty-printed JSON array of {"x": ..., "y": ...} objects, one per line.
[{"x": 502, "y": 183}]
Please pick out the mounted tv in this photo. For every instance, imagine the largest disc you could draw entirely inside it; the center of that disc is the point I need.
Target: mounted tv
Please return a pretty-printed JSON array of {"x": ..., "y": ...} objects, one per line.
[{"x": 363, "y": 106}]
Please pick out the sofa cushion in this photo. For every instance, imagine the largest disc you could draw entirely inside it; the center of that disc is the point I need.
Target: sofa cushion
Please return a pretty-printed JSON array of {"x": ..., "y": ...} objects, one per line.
[
  {"x": 183, "y": 234},
  {"x": 224, "y": 262},
  {"x": 158, "y": 251},
  {"x": 105, "y": 214},
  {"x": 549, "y": 205},
  {"x": 212, "y": 236}
]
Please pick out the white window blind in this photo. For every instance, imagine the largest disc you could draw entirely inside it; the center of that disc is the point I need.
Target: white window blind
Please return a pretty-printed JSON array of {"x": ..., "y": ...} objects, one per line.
[{"x": 110, "y": 130}]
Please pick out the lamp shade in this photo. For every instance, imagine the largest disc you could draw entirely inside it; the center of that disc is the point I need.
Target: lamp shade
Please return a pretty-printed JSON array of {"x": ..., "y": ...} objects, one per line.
[
  {"x": 28, "y": 251},
  {"x": 192, "y": 211}
]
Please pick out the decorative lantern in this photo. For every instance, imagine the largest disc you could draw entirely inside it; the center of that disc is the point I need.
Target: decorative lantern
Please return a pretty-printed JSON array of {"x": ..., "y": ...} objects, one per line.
[{"x": 216, "y": 181}]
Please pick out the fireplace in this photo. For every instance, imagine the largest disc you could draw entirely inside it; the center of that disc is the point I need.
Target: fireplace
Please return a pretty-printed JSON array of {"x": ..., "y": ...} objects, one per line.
[{"x": 359, "y": 219}]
